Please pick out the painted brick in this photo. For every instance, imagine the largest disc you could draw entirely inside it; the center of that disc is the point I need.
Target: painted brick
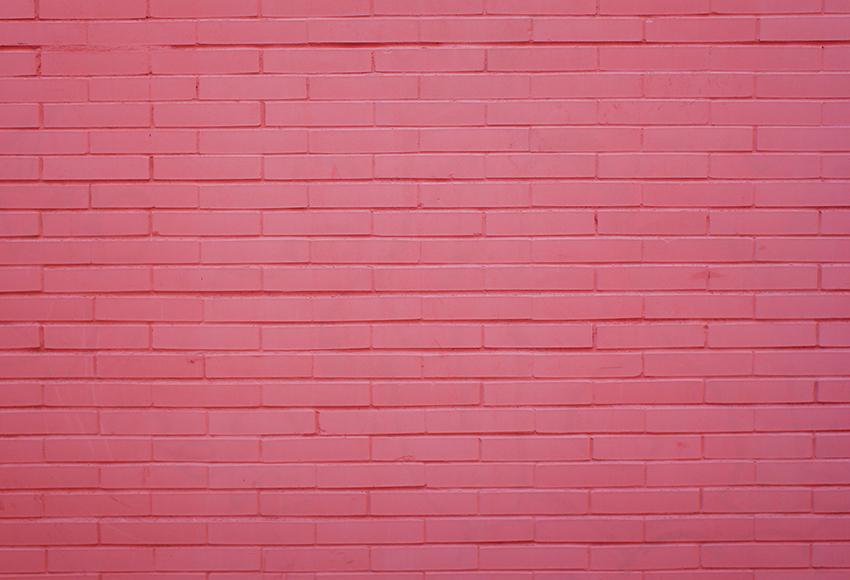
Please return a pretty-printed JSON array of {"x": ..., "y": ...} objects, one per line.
[{"x": 424, "y": 289}]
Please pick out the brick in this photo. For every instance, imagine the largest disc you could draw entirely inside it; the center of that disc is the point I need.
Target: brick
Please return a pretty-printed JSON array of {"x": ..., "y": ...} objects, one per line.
[
  {"x": 148, "y": 532},
  {"x": 147, "y": 195},
  {"x": 594, "y": 529},
  {"x": 88, "y": 395},
  {"x": 92, "y": 449},
  {"x": 558, "y": 475},
  {"x": 805, "y": 85},
  {"x": 650, "y": 277},
  {"x": 213, "y": 503},
  {"x": 702, "y": 85},
  {"x": 761, "y": 7},
  {"x": 705, "y": 473},
  {"x": 309, "y": 114},
  {"x": 758, "y": 446},
  {"x": 542, "y": 557},
  {"x": 541, "y": 59},
  {"x": 517, "y": 448},
  {"x": 539, "y": 7},
  {"x": 470, "y": 139},
  {"x": 536, "y": 393},
  {"x": 400, "y": 394},
  {"x": 19, "y": 279},
  {"x": 20, "y": 116},
  {"x": 23, "y": 422},
  {"x": 93, "y": 224},
  {"x": 274, "y": 88},
  {"x": 765, "y": 112},
  {"x": 431, "y": 166},
  {"x": 586, "y": 307},
  {"x": 253, "y": 532},
  {"x": 713, "y": 29},
  {"x": 525, "y": 502},
  {"x": 204, "y": 61},
  {"x": 554, "y": 112},
  {"x": 723, "y": 528},
  {"x": 153, "y": 422},
  {"x": 585, "y": 139},
  {"x": 23, "y": 336},
  {"x": 472, "y": 29},
  {"x": 833, "y": 59},
  {"x": 24, "y": 168},
  {"x": 697, "y": 139},
  {"x": 205, "y": 223},
  {"x": 383, "y": 87},
  {"x": 47, "y": 366},
  {"x": 599, "y": 29},
  {"x": 646, "y": 447},
  {"x": 368, "y": 532},
  {"x": 761, "y": 277},
  {"x": 294, "y": 450},
  {"x": 206, "y": 114},
  {"x": 429, "y": 60},
  {"x": 206, "y": 167},
  {"x": 473, "y": 86},
  {"x": 799, "y": 250},
  {"x": 537, "y": 336},
  {"x": 141, "y": 33},
  {"x": 424, "y": 448},
  {"x": 199, "y": 279},
  {"x": 655, "y": 112},
  {"x": 91, "y": 9},
  {"x": 112, "y": 63},
  {"x": 96, "y": 337},
  {"x": 698, "y": 306},
  {"x": 142, "y": 88},
  {"x": 589, "y": 420},
  {"x": 135, "y": 141},
  {"x": 759, "y": 391},
  {"x": 800, "y": 363},
  {"x": 18, "y": 9},
  {"x": 24, "y": 534},
  {"x": 682, "y": 364},
  {"x": 689, "y": 58},
  {"x": 315, "y": 558},
  {"x": 49, "y": 477},
  {"x": 43, "y": 90},
  {"x": 101, "y": 168},
  {"x": 472, "y": 475},
  {"x": 628, "y": 502},
  {"x": 539, "y": 165},
  {"x": 208, "y": 338},
  {"x": 148, "y": 309},
  {"x": 761, "y": 335},
  {"x": 107, "y": 115},
  {"x": 700, "y": 250},
  {"x": 313, "y": 503},
  {"x": 655, "y": 222},
  {"x": 194, "y": 9},
  {"x": 802, "y": 28},
  {"x": 370, "y": 476},
  {"x": 779, "y": 556},
  {"x": 653, "y": 165}
]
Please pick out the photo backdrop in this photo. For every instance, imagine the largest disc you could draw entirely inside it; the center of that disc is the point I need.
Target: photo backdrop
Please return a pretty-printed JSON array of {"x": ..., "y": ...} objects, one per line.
[{"x": 425, "y": 289}]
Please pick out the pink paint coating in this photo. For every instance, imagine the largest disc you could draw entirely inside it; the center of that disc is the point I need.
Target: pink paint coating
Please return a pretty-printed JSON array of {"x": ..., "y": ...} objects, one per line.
[{"x": 425, "y": 289}]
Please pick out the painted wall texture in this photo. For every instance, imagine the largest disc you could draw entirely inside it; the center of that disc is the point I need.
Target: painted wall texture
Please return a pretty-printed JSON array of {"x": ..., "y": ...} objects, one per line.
[{"x": 425, "y": 289}]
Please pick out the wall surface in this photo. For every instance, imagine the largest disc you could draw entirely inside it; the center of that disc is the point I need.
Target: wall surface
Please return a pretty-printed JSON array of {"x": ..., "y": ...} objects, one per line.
[{"x": 425, "y": 289}]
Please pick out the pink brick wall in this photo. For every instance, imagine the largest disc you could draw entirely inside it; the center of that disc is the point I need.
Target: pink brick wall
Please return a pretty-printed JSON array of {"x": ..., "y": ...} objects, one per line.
[{"x": 425, "y": 289}]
